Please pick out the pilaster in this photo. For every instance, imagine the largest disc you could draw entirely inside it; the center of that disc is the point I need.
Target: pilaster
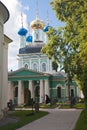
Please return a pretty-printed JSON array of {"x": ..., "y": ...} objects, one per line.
[{"x": 47, "y": 89}]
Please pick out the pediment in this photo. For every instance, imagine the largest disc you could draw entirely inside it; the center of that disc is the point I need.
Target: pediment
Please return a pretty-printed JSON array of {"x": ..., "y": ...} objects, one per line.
[{"x": 24, "y": 72}]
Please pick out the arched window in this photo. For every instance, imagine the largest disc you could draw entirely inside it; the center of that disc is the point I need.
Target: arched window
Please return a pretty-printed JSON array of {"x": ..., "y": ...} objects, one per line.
[
  {"x": 59, "y": 92},
  {"x": 26, "y": 65},
  {"x": 37, "y": 36},
  {"x": 44, "y": 67},
  {"x": 35, "y": 67}
]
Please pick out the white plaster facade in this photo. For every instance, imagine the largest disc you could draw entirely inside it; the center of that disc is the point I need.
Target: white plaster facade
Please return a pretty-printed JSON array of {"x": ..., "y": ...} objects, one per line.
[
  {"x": 4, "y": 41},
  {"x": 38, "y": 59}
]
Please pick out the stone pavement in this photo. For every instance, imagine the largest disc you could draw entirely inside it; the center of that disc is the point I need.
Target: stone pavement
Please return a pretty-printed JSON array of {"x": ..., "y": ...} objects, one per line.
[{"x": 58, "y": 119}]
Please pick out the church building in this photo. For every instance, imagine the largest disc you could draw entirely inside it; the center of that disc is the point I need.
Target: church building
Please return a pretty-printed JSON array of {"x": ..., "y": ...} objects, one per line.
[{"x": 35, "y": 77}]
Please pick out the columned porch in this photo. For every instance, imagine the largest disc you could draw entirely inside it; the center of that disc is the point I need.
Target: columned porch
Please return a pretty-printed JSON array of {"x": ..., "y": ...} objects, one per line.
[{"x": 38, "y": 89}]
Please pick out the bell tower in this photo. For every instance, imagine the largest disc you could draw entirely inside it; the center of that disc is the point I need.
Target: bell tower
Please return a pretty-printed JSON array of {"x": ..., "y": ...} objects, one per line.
[{"x": 4, "y": 41}]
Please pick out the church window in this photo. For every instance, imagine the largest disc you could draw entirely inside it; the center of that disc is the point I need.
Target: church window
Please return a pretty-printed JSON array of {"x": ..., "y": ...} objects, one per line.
[
  {"x": 35, "y": 67},
  {"x": 44, "y": 67},
  {"x": 26, "y": 65},
  {"x": 59, "y": 92}
]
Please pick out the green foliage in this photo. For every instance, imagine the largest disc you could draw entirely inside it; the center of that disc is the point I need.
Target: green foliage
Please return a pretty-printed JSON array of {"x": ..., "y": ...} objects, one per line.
[
  {"x": 68, "y": 46},
  {"x": 54, "y": 65},
  {"x": 82, "y": 122}
]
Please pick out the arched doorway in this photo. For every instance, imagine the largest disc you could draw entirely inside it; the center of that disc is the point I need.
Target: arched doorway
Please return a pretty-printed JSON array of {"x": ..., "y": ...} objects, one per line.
[
  {"x": 59, "y": 92},
  {"x": 16, "y": 95},
  {"x": 72, "y": 93}
]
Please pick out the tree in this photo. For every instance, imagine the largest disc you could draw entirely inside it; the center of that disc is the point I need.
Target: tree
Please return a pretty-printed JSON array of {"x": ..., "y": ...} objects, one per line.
[
  {"x": 61, "y": 52},
  {"x": 68, "y": 46},
  {"x": 54, "y": 66}
]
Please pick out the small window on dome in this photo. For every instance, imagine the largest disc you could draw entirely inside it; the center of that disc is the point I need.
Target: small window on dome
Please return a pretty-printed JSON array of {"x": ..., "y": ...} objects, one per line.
[
  {"x": 37, "y": 35},
  {"x": 26, "y": 65}
]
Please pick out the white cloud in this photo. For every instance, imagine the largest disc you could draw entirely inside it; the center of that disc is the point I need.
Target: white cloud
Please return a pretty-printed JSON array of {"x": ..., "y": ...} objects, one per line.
[
  {"x": 26, "y": 8},
  {"x": 11, "y": 28}
]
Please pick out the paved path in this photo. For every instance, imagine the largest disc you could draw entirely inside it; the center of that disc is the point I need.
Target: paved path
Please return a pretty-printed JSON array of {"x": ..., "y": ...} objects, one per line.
[{"x": 58, "y": 119}]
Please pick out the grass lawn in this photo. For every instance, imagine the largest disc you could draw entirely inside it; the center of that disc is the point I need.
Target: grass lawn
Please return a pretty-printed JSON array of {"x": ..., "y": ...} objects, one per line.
[
  {"x": 82, "y": 121},
  {"x": 80, "y": 106},
  {"x": 48, "y": 106},
  {"x": 77, "y": 106},
  {"x": 24, "y": 117}
]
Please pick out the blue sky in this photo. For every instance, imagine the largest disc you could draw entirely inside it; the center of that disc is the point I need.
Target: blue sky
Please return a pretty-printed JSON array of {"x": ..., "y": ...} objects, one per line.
[
  {"x": 43, "y": 7},
  {"x": 28, "y": 9}
]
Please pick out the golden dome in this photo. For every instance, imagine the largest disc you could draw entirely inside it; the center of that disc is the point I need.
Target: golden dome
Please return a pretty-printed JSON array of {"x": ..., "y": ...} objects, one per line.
[{"x": 37, "y": 24}]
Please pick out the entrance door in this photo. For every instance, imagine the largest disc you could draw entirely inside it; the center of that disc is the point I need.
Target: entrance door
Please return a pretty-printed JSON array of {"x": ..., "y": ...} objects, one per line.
[
  {"x": 16, "y": 96},
  {"x": 59, "y": 92},
  {"x": 27, "y": 97},
  {"x": 37, "y": 93},
  {"x": 72, "y": 93}
]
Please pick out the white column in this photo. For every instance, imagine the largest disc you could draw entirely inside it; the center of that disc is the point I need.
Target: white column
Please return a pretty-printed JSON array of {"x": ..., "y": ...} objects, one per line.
[
  {"x": 31, "y": 88},
  {"x": 47, "y": 89},
  {"x": 67, "y": 94},
  {"x": 48, "y": 65},
  {"x": 42, "y": 96},
  {"x": 10, "y": 90},
  {"x": 20, "y": 93},
  {"x": 2, "y": 71}
]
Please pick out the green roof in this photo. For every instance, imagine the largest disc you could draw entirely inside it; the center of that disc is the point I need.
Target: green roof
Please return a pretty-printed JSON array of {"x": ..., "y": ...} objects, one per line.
[{"x": 26, "y": 74}]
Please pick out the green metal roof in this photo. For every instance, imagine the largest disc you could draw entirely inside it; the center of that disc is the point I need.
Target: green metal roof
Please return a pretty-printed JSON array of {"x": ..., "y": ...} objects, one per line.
[{"x": 26, "y": 74}]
